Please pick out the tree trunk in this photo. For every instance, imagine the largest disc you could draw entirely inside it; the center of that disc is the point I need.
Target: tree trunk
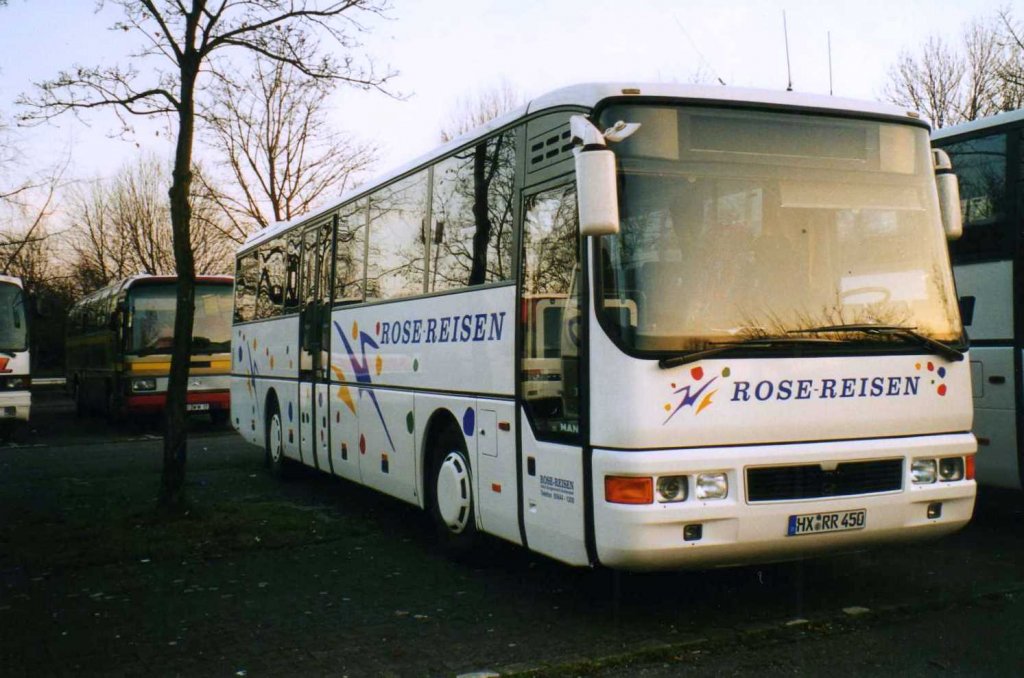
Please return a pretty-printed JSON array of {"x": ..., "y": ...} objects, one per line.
[{"x": 172, "y": 498}]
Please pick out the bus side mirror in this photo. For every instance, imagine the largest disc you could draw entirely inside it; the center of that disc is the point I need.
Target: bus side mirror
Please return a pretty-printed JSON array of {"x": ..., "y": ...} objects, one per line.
[
  {"x": 597, "y": 191},
  {"x": 949, "y": 195},
  {"x": 596, "y": 188}
]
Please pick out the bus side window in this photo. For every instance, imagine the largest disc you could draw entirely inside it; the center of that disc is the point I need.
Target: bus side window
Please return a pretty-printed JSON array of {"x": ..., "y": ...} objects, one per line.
[
  {"x": 246, "y": 279},
  {"x": 549, "y": 369},
  {"x": 349, "y": 251},
  {"x": 293, "y": 249},
  {"x": 398, "y": 219}
]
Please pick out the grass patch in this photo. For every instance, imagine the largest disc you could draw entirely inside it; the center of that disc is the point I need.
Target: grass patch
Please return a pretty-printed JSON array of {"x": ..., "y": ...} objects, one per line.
[{"x": 44, "y": 541}]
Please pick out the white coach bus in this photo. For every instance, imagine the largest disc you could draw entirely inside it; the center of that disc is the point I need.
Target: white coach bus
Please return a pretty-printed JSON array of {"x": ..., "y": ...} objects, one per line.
[
  {"x": 15, "y": 359},
  {"x": 753, "y": 349},
  {"x": 987, "y": 263}
]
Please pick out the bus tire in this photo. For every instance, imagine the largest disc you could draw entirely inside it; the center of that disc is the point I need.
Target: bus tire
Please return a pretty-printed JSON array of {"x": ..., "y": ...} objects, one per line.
[
  {"x": 274, "y": 441},
  {"x": 453, "y": 506}
]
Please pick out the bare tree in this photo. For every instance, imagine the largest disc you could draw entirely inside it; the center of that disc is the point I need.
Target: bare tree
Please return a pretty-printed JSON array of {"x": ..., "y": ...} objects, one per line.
[
  {"x": 182, "y": 40},
  {"x": 122, "y": 227},
  {"x": 26, "y": 205},
  {"x": 1011, "y": 70},
  {"x": 478, "y": 109},
  {"x": 272, "y": 131},
  {"x": 953, "y": 84}
]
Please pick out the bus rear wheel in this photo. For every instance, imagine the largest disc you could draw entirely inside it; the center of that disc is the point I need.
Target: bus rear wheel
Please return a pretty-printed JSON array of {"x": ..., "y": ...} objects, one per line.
[
  {"x": 274, "y": 438},
  {"x": 453, "y": 507}
]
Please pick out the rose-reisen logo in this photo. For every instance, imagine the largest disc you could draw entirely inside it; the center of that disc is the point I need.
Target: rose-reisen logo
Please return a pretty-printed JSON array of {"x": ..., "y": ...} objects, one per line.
[{"x": 697, "y": 389}]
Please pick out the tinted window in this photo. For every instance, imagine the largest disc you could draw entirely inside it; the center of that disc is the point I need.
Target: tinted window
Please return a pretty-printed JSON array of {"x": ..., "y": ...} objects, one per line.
[
  {"x": 246, "y": 280},
  {"x": 980, "y": 166},
  {"x": 397, "y": 250},
  {"x": 472, "y": 215},
  {"x": 349, "y": 250},
  {"x": 550, "y": 374}
]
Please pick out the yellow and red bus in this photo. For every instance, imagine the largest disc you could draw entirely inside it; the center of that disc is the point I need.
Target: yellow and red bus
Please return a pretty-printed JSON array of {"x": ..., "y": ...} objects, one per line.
[{"x": 119, "y": 342}]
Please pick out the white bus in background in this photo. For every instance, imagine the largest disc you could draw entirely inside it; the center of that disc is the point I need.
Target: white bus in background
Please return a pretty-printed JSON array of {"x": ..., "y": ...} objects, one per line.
[
  {"x": 760, "y": 354},
  {"x": 988, "y": 263},
  {"x": 15, "y": 363}
]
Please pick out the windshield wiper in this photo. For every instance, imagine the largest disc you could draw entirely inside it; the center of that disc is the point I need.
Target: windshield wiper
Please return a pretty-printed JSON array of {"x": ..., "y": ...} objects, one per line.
[
  {"x": 716, "y": 347},
  {"x": 906, "y": 333}
]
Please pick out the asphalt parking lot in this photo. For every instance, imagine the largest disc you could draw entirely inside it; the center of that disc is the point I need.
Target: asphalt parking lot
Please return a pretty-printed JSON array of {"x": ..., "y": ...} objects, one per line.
[{"x": 315, "y": 576}]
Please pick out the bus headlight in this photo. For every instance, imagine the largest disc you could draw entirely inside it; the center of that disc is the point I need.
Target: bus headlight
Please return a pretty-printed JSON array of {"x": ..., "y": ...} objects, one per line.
[
  {"x": 671, "y": 489},
  {"x": 922, "y": 471},
  {"x": 15, "y": 383},
  {"x": 951, "y": 468},
  {"x": 146, "y": 384},
  {"x": 712, "y": 485}
]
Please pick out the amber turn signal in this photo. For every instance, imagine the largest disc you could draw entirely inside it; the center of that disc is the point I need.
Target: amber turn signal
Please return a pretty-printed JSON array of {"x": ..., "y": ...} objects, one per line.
[{"x": 628, "y": 490}]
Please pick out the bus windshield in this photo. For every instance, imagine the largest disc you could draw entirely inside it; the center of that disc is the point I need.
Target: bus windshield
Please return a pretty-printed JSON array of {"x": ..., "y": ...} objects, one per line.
[
  {"x": 740, "y": 225},
  {"x": 13, "y": 326},
  {"x": 152, "y": 319}
]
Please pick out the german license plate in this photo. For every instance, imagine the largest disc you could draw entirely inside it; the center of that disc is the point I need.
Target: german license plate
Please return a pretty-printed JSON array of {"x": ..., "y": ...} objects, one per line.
[
  {"x": 197, "y": 407},
  {"x": 837, "y": 521}
]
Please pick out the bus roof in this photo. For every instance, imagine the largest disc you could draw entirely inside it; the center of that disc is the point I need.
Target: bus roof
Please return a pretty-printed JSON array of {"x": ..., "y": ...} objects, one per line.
[
  {"x": 11, "y": 280},
  {"x": 123, "y": 284},
  {"x": 980, "y": 124},
  {"x": 589, "y": 95}
]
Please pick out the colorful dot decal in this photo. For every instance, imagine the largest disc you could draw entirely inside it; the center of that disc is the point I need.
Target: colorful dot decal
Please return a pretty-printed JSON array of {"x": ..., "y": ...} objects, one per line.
[
  {"x": 378, "y": 328},
  {"x": 697, "y": 373},
  {"x": 469, "y": 421},
  {"x": 942, "y": 372},
  {"x": 379, "y": 365},
  {"x": 291, "y": 413},
  {"x": 416, "y": 365},
  {"x": 726, "y": 371},
  {"x": 942, "y": 389},
  {"x": 362, "y": 444},
  {"x": 355, "y": 330},
  {"x": 410, "y": 422},
  {"x": 239, "y": 354}
]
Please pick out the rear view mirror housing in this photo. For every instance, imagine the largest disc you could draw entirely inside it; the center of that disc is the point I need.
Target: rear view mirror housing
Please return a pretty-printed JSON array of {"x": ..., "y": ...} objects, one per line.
[
  {"x": 948, "y": 188},
  {"x": 597, "y": 190}
]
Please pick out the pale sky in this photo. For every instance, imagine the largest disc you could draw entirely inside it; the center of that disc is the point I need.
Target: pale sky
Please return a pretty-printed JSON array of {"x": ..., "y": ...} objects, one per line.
[{"x": 446, "y": 49}]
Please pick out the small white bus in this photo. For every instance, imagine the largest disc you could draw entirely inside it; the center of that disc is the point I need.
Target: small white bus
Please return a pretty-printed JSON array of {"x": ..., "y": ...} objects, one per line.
[
  {"x": 642, "y": 326},
  {"x": 15, "y": 360}
]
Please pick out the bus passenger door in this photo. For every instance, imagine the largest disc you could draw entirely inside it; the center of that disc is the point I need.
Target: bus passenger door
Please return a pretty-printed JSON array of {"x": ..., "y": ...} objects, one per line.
[
  {"x": 554, "y": 495},
  {"x": 314, "y": 346}
]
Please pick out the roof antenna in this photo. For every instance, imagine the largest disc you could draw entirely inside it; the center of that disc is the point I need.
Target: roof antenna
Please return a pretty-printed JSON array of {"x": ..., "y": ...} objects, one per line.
[
  {"x": 829, "y": 34},
  {"x": 785, "y": 33}
]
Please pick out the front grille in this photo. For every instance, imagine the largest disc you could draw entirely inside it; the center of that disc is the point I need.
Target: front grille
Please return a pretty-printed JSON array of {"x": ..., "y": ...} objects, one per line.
[{"x": 811, "y": 481}]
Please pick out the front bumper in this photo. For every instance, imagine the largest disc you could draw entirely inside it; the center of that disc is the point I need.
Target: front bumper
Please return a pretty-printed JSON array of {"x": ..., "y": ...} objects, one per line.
[
  {"x": 736, "y": 531},
  {"x": 15, "y": 405},
  {"x": 202, "y": 401}
]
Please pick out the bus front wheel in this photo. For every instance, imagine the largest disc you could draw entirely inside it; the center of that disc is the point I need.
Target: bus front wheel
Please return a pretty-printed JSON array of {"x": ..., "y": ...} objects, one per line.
[
  {"x": 452, "y": 508},
  {"x": 275, "y": 460}
]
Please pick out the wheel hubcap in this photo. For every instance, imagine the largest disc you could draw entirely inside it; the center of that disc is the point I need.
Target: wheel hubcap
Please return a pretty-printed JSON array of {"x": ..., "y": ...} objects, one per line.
[
  {"x": 276, "y": 440},
  {"x": 454, "y": 496}
]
